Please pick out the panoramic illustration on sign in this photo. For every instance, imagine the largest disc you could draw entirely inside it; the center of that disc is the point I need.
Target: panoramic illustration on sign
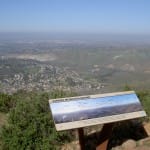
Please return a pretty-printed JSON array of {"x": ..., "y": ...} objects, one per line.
[{"x": 78, "y": 110}]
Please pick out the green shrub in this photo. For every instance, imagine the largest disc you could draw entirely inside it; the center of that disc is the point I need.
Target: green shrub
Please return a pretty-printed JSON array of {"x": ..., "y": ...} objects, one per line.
[
  {"x": 144, "y": 96},
  {"x": 30, "y": 125},
  {"x": 6, "y": 102}
]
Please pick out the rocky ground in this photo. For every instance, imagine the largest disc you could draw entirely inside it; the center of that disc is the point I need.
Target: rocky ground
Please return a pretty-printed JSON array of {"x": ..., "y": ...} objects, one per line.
[
  {"x": 143, "y": 144},
  {"x": 129, "y": 144}
]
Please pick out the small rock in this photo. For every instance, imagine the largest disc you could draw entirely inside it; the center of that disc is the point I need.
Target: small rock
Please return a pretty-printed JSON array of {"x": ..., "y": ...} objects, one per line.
[
  {"x": 71, "y": 146},
  {"x": 144, "y": 141},
  {"x": 117, "y": 148},
  {"x": 143, "y": 148},
  {"x": 130, "y": 144}
]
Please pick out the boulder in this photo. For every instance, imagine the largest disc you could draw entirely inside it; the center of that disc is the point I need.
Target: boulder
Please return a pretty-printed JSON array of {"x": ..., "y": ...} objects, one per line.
[{"x": 129, "y": 145}]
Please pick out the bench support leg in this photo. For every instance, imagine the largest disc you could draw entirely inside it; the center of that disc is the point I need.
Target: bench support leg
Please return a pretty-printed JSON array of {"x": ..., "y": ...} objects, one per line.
[
  {"x": 104, "y": 136},
  {"x": 81, "y": 138}
]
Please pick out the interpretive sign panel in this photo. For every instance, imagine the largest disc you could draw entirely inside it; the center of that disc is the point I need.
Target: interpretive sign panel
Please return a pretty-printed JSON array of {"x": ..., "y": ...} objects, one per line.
[{"x": 77, "y": 112}]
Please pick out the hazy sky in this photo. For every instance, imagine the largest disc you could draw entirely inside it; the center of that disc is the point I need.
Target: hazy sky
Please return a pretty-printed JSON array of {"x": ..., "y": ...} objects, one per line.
[{"x": 94, "y": 16}]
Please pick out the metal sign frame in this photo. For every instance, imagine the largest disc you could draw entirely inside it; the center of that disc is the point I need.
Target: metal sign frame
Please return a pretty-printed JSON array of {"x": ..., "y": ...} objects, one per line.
[{"x": 89, "y": 110}]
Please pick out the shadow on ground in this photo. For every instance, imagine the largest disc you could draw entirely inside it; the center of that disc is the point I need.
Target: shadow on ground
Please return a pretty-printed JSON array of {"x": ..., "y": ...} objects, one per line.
[{"x": 122, "y": 131}]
